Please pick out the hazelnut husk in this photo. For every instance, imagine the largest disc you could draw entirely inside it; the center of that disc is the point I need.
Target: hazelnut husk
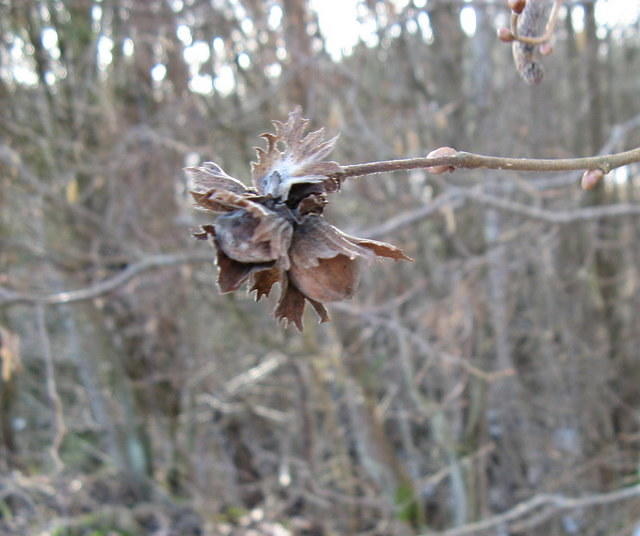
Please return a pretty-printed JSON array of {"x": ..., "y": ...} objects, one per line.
[
  {"x": 234, "y": 232},
  {"x": 331, "y": 280},
  {"x": 275, "y": 231}
]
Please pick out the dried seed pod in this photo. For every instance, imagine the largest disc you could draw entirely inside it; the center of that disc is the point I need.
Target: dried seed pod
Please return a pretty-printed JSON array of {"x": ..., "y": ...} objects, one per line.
[
  {"x": 300, "y": 162},
  {"x": 330, "y": 280},
  {"x": 235, "y": 233},
  {"x": 275, "y": 232}
]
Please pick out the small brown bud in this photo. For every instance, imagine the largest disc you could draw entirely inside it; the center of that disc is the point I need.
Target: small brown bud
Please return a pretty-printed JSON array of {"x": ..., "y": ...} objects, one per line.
[
  {"x": 517, "y": 6},
  {"x": 505, "y": 35},
  {"x": 545, "y": 49},
  {"x": 439, "y": 152},
  {"x": 591, "y": 178}
]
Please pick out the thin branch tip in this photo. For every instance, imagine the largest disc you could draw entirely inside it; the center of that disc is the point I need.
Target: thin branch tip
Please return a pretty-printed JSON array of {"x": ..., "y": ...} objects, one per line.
[{"x": 447, "y": 158}]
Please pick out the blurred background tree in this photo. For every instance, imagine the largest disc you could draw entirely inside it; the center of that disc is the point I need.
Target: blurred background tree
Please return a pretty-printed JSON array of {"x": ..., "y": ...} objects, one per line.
[{"x": 501, "y": 365}]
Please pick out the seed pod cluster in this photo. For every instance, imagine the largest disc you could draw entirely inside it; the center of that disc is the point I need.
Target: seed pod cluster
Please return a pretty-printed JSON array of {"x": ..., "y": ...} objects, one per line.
[{"x": 275, "y": 231}]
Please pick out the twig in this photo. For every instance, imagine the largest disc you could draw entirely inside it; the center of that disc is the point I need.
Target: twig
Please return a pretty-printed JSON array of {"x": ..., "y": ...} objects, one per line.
[
  {"x": 424, "y": 345},
  {"x": 551, "y": 504},
  {"x": 548, "y": 32},
  {"x": 466, "y": 160},
  {"x": 456, "y": 197},
  {"x": 435, "y": 479},
  {"x": 59, "y": 426},
  {"x": 551, "y": 216},
  {"x": 255, "y": 374},
  {"x": 449, "y": 199},
  {"x": 13, "y": 163},
  {"x": 459, "y": 159},
  {"x": 11, "y": 297}
]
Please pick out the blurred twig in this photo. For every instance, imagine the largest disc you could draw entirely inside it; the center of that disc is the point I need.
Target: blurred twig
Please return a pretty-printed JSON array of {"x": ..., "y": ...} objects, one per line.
[
  {"x": 10, "y": 297},
  {"x": 466, "y": 160},
  {"x": 424, "y": 345},
  {"x": 59, "y": 426},
  {"x": 539, "y": 504},
  {"x": 551, "y": 216}
]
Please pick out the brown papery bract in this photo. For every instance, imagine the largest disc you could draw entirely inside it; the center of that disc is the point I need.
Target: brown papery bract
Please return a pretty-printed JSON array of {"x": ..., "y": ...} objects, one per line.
[{"x": 275, "y": 232}]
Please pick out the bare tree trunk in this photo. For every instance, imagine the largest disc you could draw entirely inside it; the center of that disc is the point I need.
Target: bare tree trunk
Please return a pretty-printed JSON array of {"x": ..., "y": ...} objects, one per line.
[
  {"x": 448, "y": 53},
  {"x": 302, "y": 70}
]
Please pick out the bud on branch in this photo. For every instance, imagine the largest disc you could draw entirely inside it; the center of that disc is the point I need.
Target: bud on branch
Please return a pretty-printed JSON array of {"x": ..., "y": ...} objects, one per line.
[
  {"x": 591, "y": 178},
  {"x": 274, "y": 230}
]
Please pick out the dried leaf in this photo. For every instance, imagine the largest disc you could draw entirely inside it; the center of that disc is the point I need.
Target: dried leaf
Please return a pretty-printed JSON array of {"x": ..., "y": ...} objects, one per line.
[
  {"x": 331, "y": 280},
  {"x": 254, "y": 234},
  {"x": 264, "y": 280},
  {"x": 291, "y": 305},
  {"x": 382, "y": 249},
  {"x": 276, "y": 233},
  {"x": 232, "y": 274},
  {"x": 71, "y": 191},
  {"x": 210, "y": 176},
  {"x": 204, "y": 233},
  {"x": 316, "y": 239},
  {"x": 299, "y": 162},
  {"x": 320, "y": 310},
  {"x": 203, "y": 200},
  {"x": 312, "y": 204},
  {"x": 238, "y": 234},
  {"x": 9, "y": 354},
  {"x": 209, "y": 179}
]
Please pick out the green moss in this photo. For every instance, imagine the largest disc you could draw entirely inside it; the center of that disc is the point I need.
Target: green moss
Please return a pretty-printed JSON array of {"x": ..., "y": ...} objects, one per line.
[
  {"x": 407, "y": 506},
  {"x": 108, "y": 523},
  {"x": 90, "y": 531}
]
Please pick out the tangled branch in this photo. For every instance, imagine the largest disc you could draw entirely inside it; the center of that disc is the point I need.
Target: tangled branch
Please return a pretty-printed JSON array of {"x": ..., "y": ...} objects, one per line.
[
  {"x": 438, "y": 161},
  {"x": 541, "y": 507},
  {"x": 531, "y": 30},
  {"x": 11, "y": 297},
  {"x": 517, "y": 8}
]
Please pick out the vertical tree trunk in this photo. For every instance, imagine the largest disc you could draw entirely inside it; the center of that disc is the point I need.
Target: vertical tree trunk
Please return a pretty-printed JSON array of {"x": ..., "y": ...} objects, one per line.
[
  {"x": 574, "y": 88},
  {"x": 448, "y": 52},
  {"x": 594, "y": 85},
  {"x": 301, "y": 70}
]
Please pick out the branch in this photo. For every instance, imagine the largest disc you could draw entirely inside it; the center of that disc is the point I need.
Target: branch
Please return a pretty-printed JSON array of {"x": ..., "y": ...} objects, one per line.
[
  {"x": 59, "y": 426},
  {"x": 455, "y": 198},
  {"x": 551, "y": 216},
  {"x": 13, "y": 165},
  {"x": 451, "y": 199},
  {"x": 548, "y": 32},
  {"x": 452, "y": 159},
  {"x": 422, "y": 344},
  {"x": 553, "y": 504},
  {"x": 461, "y": 159},
  {"x": 11, "y": 297}
]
